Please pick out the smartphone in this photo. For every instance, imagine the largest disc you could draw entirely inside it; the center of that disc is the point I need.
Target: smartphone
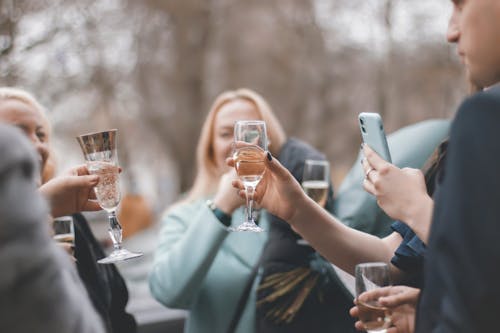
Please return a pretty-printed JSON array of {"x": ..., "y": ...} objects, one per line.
[{"x": 373, "y": 134}]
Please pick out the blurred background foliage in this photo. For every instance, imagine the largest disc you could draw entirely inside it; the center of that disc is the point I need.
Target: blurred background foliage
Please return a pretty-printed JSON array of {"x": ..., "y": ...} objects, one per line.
[{"x": 152, "y": 68}]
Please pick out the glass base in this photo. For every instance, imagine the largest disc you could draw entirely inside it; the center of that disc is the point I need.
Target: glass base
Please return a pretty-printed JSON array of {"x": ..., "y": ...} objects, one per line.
[
  {"x": 246, "y": 226},
  {"x": 119, "y": 255}
]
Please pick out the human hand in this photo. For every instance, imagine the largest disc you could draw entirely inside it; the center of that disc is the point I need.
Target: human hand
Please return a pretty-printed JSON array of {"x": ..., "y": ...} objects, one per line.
[
  {"x": 401, "y": 301},
  {"x": 227, "y": 198},
  {"x": 278, "y": 191},
  {"x": 71, "y": 192},
  {"x": 401, "y": 193}
]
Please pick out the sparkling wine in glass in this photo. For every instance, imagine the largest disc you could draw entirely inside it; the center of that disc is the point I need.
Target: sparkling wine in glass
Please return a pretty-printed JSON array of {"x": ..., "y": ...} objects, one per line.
[
  {"x": 315, "y": 180},
  {"x": 99, "y": 150},
  {"x": 370, "y": 276},
  {"x": 250, "y": 138}
]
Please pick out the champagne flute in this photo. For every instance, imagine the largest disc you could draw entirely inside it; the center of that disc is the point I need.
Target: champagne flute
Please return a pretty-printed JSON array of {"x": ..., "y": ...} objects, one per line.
[
  {"x": 250, "y": 138},
  {"x": 99, "y": 150},
  {"x": 315, "y": 182},
  {"x": 370, "y": 276}
]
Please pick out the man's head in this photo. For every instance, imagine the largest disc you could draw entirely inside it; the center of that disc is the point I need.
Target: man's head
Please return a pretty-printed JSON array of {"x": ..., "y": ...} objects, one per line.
[{"x": 475, "y": 27}]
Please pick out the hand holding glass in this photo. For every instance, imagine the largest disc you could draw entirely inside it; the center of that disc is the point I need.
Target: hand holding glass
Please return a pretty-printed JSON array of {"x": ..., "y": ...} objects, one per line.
[
  {"x": 99, "y": 150},
  {"x": 370, "y": 276},
  {"x": 250, "y": 138}
]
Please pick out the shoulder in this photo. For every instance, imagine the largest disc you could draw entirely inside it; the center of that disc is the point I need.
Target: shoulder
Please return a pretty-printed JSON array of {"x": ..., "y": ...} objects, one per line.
[
  {"x": 477, "y": 120},
  {"x": 294, "y": 152},
  {"x": 183, "y": 208}
]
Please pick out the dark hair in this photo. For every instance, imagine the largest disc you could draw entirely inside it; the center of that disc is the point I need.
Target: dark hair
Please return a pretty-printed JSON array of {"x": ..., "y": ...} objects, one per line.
[{"x": 433, "y": 167}]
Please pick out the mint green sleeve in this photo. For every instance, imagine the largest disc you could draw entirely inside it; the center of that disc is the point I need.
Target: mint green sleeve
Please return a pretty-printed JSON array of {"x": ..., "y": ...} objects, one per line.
[{"x": 189, "y": 240}]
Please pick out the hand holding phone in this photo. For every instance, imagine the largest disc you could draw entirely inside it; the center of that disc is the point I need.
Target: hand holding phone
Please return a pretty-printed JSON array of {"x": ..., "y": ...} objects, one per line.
[{"x": 373, "y": 134}]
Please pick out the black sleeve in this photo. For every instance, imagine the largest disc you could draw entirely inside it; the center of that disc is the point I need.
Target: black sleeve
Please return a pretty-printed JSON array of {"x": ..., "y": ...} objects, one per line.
[{"x": 462, "y": 279}]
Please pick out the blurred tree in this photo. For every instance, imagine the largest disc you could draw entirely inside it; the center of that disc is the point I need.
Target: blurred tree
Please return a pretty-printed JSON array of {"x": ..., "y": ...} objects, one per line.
[{"x": 152, "y": 68}]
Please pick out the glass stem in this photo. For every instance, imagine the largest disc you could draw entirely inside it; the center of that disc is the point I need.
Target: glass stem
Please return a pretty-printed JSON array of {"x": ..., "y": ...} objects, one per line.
[
  {"x": 115, "y": 230},
  {"x": 250, "y": 190}
]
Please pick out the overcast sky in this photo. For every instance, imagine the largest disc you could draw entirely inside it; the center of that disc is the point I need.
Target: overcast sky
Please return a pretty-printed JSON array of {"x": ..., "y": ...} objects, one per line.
[{"x": 359, "y": 21}]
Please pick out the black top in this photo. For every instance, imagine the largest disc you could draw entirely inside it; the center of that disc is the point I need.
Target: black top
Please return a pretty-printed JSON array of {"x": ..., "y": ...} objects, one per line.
[
  {"x": 104, "y": 284},
  {"x": 462, "y": 272},
  {"x": 325, "y": 306}
]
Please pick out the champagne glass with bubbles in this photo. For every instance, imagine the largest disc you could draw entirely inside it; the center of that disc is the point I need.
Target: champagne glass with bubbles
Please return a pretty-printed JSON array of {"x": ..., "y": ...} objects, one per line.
[
  {"x": 250, "y": 138},
  {"x": 370, "y": 276},
  {"x": 99, "y": 150}
]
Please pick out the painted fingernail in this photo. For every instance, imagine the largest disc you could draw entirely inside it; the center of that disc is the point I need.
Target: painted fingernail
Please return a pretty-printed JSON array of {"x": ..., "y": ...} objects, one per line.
[{"x": 269, "y": 157}]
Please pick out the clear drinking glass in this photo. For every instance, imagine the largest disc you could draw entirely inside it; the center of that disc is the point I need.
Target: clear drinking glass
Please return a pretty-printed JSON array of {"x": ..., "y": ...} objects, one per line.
[
  {"x": 315, "y": 180},
  {"x": 99, "y": 150},
  {"x": 250, "y": 138},
  {"x": 64, "y": 231},
  {"x": 370, "y": 276}
]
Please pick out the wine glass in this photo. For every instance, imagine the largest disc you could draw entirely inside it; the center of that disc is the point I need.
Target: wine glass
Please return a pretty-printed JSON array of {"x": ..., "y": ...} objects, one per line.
[
  {"x": 63, "y": 229},
  {"x": 370, "y": 276},
  {"x": 99, "y": 150},
  {"x": 250, "y": 138},
  {"x": 315, "y": 182}
]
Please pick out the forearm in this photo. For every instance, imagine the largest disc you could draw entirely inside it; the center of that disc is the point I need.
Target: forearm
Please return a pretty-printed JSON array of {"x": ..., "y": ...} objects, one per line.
[{"x": 343, "y": 246}]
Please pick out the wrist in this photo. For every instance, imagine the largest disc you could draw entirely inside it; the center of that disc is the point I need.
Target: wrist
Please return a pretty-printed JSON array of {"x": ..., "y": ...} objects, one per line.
[
  {"x": 421, "y": 219},
  {"x": 302, "y": 208},
  {"x": 222, "y": 216},
  {"x": 223, "y": 205}
]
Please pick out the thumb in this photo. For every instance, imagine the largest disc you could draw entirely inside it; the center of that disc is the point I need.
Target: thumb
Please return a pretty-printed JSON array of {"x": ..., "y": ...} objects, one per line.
[
  {"x": 373, "y": 158},
  {"x": 276, "y": 168}
]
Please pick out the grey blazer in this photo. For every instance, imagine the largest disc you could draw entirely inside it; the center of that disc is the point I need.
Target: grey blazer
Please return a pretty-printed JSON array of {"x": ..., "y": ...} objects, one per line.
[{"x": 39, "y": 287}]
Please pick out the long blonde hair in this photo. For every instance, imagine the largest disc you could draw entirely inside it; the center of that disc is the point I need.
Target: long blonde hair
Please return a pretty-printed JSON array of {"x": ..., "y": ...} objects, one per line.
[
  {"x": 207, "y": 177},
  {"x": 20, "y": 95}
]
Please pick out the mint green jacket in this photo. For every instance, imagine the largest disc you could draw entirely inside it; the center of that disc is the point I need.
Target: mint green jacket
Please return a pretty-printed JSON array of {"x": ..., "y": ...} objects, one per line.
[{"x": 201, "y": 267}]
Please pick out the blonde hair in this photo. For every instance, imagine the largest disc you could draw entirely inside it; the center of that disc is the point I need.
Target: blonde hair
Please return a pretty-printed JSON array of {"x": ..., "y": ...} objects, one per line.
[
  {"x": 9, "y": 93},
  {"x": 207, "y": 176}
]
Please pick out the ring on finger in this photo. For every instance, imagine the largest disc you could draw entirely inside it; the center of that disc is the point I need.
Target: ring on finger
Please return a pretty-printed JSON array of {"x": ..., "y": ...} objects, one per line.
[{"x": 367, "y": 174}]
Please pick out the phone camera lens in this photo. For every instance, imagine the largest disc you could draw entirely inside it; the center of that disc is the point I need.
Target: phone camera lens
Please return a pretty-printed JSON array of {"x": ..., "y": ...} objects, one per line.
[
  {"x": 363, "y": 129},
  {"x": 361, "y": 121}
]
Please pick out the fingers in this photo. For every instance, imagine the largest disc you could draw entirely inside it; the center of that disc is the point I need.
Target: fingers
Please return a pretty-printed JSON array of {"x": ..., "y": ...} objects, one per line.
[
  {"x": 354, "y": 311},
  {"x": 369, "y": 187},
  {"x": 276, "y": 168},
  {"x": 359, "y": 326},
  {"x": 91, "y": 206},
  {"x": 374, "y": 160},
  {"x": 83, "y": 181},
  {"x": 375, "y": 293},
  {"x": 230, "y": 162},
  {"x": 79, "y": 170},
  {"x": 399, "y": 296}
]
